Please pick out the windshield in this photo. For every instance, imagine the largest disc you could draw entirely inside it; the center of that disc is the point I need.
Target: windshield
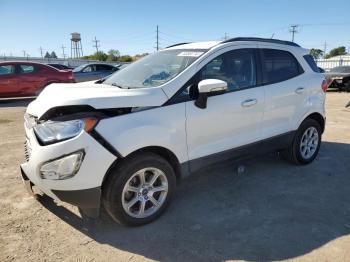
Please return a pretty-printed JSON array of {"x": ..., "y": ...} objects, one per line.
[
  {"x": 79, "y": 68},
  {"x": 341, "y": 69},
  {"x": 155, "y": 69}
]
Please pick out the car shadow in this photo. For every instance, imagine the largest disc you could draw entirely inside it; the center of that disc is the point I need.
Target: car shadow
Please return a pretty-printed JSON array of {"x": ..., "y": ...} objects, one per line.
[
  {"x": 270, "y": 210},
  {"x": 15, "y": 102}
]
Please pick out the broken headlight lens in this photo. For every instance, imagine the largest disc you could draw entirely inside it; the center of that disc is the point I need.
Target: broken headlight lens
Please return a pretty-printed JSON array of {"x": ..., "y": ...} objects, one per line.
[{"x": 62, "y": 168}]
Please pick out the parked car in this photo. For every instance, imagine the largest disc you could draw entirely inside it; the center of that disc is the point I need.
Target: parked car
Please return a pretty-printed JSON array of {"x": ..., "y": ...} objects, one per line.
[
  {"x": 18, "y": 79},
  {"x": 60, "y": 66},
  {"x": 125, "y": 142},
  {"x": 90, "y": 72},
  {"x": 339, "y": 78}
]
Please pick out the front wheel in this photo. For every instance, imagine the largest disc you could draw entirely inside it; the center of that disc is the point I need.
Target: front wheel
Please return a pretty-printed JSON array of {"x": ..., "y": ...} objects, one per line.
[
  {"x": 139, "y": 190},
  {"x": 306, "y": 143}
]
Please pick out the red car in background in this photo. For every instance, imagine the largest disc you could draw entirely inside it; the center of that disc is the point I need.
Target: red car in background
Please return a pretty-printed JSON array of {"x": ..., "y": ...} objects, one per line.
[{"x": 18, "y": 79}]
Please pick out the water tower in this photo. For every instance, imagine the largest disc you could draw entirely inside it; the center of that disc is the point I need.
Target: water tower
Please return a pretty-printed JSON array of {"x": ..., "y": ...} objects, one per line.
[{"x": 76, "y": 50}]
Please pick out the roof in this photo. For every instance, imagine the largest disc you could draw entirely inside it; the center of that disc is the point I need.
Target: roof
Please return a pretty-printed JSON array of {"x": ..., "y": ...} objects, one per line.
[
  {"x": 197, "y": 45},
  {"x": 210, "y": 44}
]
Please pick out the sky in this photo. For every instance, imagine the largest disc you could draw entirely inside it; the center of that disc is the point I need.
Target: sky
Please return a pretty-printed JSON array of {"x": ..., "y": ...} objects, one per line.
[{"x": 130, "y": 26}]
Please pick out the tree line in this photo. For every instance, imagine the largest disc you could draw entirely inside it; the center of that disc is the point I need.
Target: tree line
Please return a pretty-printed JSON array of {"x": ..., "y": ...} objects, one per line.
[
  {"x": 318, "y": 53},
  {"x": 113, "y": 55}
]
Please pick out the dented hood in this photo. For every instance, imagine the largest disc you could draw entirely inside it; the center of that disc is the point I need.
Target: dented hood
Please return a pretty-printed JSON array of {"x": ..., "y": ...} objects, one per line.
[{"x": 99, "y": 96}]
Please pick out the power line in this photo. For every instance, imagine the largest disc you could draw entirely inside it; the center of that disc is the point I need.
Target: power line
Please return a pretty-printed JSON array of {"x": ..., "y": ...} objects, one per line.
[
  {"x": 63, "y": 53},
  {"x": 293, "y": 30},
  {"x": 96, "y": 45},
  {"x": 41, "y": 52}
]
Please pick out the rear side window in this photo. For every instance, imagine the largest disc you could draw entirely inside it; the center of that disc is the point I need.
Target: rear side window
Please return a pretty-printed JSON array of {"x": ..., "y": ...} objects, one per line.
[
  {"x": 104, "y": 68},
  {"x": 278, "y": 66},
  {"x": 26, "y": 69},
  {"x": 311, "y": 62},
  {"x": 7, "y": 69}
]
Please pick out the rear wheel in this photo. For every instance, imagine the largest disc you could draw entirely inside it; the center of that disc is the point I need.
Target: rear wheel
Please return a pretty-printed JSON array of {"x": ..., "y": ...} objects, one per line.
[
  {"x": 306, "y": 143},
  {"x": 139, "y": 190}
]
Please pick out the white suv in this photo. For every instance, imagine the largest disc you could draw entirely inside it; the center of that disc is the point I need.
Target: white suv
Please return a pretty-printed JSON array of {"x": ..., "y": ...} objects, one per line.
[{"x": 125, "y": 141}]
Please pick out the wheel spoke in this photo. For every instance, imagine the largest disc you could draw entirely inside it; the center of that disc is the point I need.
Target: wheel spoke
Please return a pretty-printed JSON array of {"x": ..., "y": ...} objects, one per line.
[
  {"x": 142, "y": 207},
  {"x": 132, "y": 202},
  {"x": 154, "y": 201},
  {"x": 132, "y": 189},
  {"x": 154, "y": 178},
  {"x": 142, "y": 178},
  {"x": 160, "y": 188}
]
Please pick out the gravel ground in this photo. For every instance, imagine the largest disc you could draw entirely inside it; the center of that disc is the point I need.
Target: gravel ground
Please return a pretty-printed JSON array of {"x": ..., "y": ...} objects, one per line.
[{"x": 271, "y": 211}]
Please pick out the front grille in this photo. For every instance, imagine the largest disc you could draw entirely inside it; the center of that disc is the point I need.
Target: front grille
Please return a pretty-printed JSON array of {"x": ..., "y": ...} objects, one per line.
[{"x": 27, "y": 150}]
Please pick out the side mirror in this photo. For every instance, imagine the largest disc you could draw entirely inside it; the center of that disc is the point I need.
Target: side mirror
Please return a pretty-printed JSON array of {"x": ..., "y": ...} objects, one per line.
[{"x": 211, "y": 87}]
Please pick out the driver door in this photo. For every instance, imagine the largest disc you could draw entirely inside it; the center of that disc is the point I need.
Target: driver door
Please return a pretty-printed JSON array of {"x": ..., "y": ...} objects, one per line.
[{"x": 232, "y": 119}]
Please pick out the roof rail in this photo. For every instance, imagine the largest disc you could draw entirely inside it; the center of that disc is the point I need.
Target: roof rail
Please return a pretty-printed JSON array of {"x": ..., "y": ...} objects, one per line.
[
  {"x": 177, "y": 44},
  {"x": 257, "y": 39}
]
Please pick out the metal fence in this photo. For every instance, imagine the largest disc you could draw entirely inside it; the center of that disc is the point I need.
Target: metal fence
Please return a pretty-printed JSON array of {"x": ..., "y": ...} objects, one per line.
[
  {"x": 328, "y": 64},
  {"x": 68, "y": 62}
]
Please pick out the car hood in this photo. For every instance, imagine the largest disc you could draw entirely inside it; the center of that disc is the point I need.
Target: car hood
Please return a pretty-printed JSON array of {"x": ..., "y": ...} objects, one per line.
[{"x": 98, "y": 96}]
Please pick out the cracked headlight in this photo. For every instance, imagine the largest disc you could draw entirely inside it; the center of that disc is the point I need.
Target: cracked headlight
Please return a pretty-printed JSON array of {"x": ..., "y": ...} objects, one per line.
[
  {"x": 62, "y": 168},
  {"x": 54, "y": 131}
]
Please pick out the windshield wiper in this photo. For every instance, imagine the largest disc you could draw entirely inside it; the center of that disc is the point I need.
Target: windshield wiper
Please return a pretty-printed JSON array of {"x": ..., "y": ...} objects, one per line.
[{"x": 121, "y": 87}]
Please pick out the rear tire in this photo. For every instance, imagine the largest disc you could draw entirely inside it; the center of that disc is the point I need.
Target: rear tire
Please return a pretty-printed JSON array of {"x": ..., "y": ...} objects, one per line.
[
  {"x": 139, "y": 190},
  {"x": 306, "y": 143}
]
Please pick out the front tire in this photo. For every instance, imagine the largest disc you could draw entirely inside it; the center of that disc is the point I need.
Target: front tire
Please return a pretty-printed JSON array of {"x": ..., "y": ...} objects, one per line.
[
  {"x": 306, "y": 143},
  {"x": 139, "y": 190}
]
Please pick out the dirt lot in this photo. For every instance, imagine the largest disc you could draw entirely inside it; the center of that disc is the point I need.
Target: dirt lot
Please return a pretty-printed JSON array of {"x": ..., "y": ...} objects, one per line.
[{"x": 272, "y": 211}]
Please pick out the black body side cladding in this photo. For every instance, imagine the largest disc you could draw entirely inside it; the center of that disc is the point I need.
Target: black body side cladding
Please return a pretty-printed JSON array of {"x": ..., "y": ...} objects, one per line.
[{"x": 268, "y": 145}]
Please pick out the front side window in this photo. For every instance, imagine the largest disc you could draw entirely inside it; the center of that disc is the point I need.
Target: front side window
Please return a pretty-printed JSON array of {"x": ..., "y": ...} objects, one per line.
[
  {"x": 89, "y": 69},
  {"x": 26, "y": 69},
  {"x": 237, "y": 68},
  {"x": 7, "y": 69},
  {"x": 155, "y": 69},
  {"x": 278, "y": 65}
]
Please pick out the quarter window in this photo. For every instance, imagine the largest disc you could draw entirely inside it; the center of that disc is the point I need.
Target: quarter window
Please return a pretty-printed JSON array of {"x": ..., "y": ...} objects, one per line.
[
  {"x": 236, "y": 67},
  {"x": 7, "y": 69},
  {"x": 26, "y": 69},
  {"x": 278, "y": 65}
]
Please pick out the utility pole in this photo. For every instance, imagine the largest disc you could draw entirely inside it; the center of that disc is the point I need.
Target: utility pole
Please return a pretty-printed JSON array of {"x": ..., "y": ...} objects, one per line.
[
  {"x": 41, "y": 52},
  {"x": 24, "y": 53},
  {"x": 63, "y": 53},
  {"x": 225, "y": 36},
  {"x": 157, "y": 40},
  {"x": 293, "y": 30},
  {"x": 96, "y": 45},
  {"x": 324, "y": 49}
]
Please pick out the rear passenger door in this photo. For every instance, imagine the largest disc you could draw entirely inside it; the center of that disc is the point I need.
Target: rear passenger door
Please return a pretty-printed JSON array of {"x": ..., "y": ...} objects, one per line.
[
  {"x": 104, "y": 70},
  {"x": 285, "y": 91},
  {"x": 8, "y": 80},
  {"x": 29, "y": 81}
]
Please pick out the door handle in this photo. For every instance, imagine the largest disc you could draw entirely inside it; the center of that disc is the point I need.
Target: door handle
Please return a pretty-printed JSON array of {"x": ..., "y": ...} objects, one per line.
[
  {"x": 249, "y": 102},
  {"x": 299, "y": 90}
]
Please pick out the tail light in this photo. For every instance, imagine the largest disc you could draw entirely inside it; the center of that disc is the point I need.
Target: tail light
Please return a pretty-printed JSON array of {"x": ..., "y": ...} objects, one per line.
[
  {"x": 70, "y": 75},
  {"x": 325, "y": 84}
]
